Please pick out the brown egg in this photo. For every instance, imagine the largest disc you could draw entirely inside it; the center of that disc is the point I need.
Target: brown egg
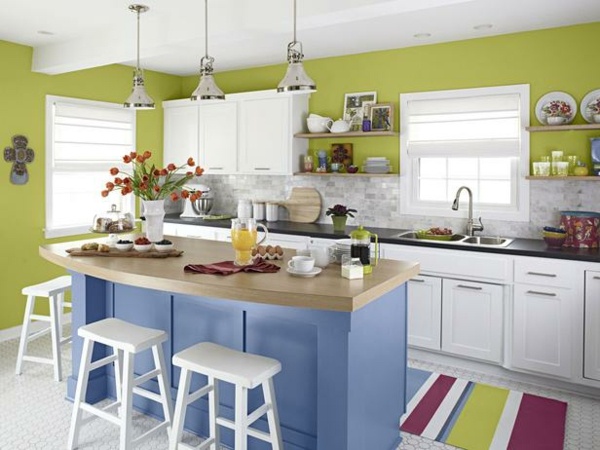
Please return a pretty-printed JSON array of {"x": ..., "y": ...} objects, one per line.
[
  {"x": 254, "y": 251},
  {"x": 279, "y": 250},
  {"x": 261, "y": 250}
]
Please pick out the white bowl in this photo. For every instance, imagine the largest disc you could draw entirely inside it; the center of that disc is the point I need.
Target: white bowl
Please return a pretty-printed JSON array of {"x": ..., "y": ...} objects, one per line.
[
  {"x": 317, "y": 124},
  {"x": 142, "y": 248},
  {"x": 124, "y": 247},
  {"x": 163, "y": 247}
]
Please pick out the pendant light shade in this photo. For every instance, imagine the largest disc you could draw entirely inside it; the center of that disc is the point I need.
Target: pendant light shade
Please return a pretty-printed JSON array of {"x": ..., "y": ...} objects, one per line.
[
  {"x": 207, "y": 88},
  {"x": 295, "y": 78},
  {"x": 139, "y": 98}
]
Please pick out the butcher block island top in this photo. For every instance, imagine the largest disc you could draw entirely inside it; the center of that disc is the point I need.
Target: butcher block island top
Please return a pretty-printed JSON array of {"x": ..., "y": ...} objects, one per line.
[{"x": 327, "y": 291}]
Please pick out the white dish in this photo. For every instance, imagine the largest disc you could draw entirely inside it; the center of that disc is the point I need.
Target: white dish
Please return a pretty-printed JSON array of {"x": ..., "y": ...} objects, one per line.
[
  {"x": 557, "y": 96},
  {"x": 163, "y": 247},
  {"x": 343, "y": 243},
  {"x": 589, "y": 98},
  {"x": 124, "y": 247},
  {"x": 142, "y": 248},
  {"x": 315, "y": 271}
]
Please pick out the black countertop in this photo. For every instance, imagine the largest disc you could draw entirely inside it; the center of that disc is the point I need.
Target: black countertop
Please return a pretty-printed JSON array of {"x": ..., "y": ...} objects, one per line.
[{"x": 523, "y": 247}]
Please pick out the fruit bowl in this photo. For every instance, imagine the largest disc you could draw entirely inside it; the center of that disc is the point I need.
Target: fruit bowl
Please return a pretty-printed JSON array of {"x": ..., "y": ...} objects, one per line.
[
  {"x": 142, "y": 247},
  {"x": 124, "y": 245},
  {"x": 163, "y": 246}
]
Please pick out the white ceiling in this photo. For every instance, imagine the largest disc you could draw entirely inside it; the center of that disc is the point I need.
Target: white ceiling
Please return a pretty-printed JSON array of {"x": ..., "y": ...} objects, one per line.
[{"x": 251, "y": 33}]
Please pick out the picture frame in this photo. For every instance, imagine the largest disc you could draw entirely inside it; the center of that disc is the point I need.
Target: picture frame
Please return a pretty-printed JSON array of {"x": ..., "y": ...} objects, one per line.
[
  {"x": 354, "y": 107},
  {"x": 382, "y": 117},
  {"x": 341, "y": 153}
]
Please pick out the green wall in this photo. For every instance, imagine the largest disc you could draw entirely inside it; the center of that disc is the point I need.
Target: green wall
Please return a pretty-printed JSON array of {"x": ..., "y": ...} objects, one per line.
[
  {"x": 22, "y": 111},
  {"x": 562, "y": 59}
]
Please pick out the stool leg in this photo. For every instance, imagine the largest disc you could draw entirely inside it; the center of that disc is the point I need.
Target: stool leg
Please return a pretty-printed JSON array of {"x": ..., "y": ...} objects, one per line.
[
  {"x": 61, "y": 300},
  {"x": 80, "y": 392},
  {"x": 119, "y": 380},
  {"x": 272, "y": 414},
  {"x": 55, "y": 334},
  {"x": 180, "y": 408},
  {"x": 165, "y": 392},
  {"x": 127, "y": 402},
  {"x": 241, "y": 418},
  {"x": 25, "y": 333},
  {"x": 213, "y": 412}
]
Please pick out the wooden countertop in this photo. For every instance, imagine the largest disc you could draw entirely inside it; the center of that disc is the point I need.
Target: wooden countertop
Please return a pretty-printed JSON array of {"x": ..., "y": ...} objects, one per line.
[{"x": 326, "y": 291}]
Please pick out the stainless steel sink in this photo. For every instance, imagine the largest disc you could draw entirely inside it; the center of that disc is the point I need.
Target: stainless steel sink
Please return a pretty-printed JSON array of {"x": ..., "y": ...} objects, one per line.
[
  {"x": 460, "y": 239},
  {"x": 486, "y": 241}
]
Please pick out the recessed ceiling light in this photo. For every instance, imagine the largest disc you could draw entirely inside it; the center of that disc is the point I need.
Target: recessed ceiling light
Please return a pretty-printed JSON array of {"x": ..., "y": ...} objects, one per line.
[
  {"x": 46, "y": 33},
  {"x": 422, "y": 35},
  {"x": 483, "y": 26}
]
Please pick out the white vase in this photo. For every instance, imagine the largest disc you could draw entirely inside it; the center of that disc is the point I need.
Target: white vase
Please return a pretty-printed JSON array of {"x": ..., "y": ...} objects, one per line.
[
  {"x": 555, "y": 120},
  {"x": 154, "y": 213}
]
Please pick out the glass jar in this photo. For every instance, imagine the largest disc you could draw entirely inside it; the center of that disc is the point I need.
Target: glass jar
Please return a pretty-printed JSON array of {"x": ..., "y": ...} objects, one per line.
[{"x": 113, "y": 221}]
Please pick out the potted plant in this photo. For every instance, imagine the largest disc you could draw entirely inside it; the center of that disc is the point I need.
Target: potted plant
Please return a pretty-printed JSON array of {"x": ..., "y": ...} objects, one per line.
[{"x": 339, "y": 215}]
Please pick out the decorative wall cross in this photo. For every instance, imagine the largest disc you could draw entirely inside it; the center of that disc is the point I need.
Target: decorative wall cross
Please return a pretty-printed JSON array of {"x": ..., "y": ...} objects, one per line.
[{"x": 19, "y": 155}]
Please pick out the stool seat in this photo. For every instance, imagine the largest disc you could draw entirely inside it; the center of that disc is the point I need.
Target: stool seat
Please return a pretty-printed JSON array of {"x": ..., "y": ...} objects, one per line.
[
  {"x": 122, "y": 335},
  {"x": 245, "y": 369},
  {"x": 49, "y": 288},
  {"x": 54, "y": 290}
]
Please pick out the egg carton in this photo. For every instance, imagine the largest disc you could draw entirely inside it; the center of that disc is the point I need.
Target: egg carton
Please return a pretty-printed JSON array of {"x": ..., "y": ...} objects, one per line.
[{"x": 268, "y": 252}]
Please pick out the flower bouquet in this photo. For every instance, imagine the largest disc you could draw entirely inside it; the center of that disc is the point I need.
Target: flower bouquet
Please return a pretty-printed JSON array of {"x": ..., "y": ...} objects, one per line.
[
  {"x": 593, "y": 109},
  {"x": 557, "y": 112}
]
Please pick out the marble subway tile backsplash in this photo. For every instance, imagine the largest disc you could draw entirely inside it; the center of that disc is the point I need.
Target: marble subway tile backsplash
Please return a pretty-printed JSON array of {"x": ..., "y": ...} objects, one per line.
[{"x": 376, "y": 199}]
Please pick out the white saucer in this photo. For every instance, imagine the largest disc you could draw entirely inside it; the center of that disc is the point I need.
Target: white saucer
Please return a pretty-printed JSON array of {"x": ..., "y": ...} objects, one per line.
[{"x": 312, "y": 273}]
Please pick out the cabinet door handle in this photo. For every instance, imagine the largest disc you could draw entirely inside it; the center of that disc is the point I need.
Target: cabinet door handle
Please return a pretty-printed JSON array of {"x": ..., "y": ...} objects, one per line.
[
  {"x": 474, "y": 288},
  {"x": 540, "y": 274},
  {"x": 262, "y": 168},
  {"x": 418, "y": 280},
  {"x": 596, "y": 278},
  {"x": 547, "y": 294},
  {"x": 215, "y": 168}
]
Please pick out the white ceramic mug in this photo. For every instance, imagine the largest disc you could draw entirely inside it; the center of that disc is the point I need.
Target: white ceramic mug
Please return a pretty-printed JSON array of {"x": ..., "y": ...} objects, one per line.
[
  {"x": 301, "y": 263},
  {"x": 321, "y": 254}
]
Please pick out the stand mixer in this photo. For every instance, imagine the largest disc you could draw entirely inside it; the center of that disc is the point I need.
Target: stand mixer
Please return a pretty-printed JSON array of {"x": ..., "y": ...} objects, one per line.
[{"x": 202, "y": 206}]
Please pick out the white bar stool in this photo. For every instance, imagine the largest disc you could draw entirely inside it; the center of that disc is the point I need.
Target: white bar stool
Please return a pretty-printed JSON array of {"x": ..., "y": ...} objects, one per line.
[
  {"x": 126, "y": 341},
  {"x": 245, "y": 371},
  {"x": 54, "y": 290}
]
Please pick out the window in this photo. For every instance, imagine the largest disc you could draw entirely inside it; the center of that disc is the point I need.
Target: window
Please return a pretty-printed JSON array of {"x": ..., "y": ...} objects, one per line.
[
  {"x": 468, "y": 137},
  {"x": 84, "y": 139}
]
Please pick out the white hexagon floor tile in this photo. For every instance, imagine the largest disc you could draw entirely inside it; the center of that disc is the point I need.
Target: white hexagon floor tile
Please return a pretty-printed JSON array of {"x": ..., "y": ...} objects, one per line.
[{"x": 34, "y": 414}]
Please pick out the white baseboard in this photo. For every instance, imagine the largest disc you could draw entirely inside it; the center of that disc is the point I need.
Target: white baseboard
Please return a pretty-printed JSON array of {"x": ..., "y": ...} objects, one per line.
[{"x": 15, "y": 332}]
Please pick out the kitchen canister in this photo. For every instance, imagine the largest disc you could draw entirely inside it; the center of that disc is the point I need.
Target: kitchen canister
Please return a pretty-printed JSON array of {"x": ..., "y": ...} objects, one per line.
[
  {"x": 272, "y": 210},
  {"x": 258, "y": 210},
  {"x": 244, "y": 209},
  {"x": 581, "y": 228}
]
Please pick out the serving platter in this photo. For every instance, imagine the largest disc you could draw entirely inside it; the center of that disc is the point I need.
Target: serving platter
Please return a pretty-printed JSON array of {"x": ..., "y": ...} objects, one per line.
[{"x": 125, "y": 254}]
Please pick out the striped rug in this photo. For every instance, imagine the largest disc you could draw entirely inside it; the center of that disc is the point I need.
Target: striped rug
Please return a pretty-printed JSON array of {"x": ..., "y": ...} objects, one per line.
[{"x": 477, "y": 416}]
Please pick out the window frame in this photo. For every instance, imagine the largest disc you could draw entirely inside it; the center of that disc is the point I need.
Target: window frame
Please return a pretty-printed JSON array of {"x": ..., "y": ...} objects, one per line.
[
  {"x": 409, "y": 165},
  {"x": 50, "y": 230}
]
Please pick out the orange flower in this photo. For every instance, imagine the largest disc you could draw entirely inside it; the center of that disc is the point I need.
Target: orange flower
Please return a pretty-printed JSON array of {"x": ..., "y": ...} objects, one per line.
[{"x": 149, "y": 182}]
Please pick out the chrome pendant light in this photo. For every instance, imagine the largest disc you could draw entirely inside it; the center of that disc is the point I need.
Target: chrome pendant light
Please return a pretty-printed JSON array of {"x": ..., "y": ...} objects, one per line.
[
  {"x": 139, "y": 98},
  {"x": 295, "y": 78},
  {"x": 207, "y": 89}
]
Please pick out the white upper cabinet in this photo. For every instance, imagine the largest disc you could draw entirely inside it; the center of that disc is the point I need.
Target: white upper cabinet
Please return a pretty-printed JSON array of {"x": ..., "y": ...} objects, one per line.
[
  {"x": 180, "y": 131},
  {"x": 248, "y": 132},
  {"x": 218, "y": 137}
]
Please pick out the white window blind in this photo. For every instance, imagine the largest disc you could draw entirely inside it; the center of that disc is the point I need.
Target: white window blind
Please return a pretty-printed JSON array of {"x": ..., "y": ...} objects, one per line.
[
  {"x": 469, "y": 126},
  {"x": 84, "y": 139}
]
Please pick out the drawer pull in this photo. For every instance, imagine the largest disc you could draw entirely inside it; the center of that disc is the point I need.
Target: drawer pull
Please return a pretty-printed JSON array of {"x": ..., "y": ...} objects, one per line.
[
  {"x": 474, "y": 288},
  {"x": 418, "y": 280},
  {"x": 596, "y": 278},
  {"x": 540, "y": 274},
  {"x": 215, "y": 168},
  {"x": 547, "y": 294},
  {"x": 262, "y": 168}
]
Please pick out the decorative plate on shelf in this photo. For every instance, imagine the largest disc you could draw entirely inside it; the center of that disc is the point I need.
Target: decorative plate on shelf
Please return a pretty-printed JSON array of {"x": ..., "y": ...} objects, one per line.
[
  {"x": 592, "y": 97},
  {"x": 555, "y": 102}
]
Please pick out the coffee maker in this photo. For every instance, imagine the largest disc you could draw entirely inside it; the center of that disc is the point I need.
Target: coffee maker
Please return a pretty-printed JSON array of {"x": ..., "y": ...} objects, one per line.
[{"x": 202, "y": 206}]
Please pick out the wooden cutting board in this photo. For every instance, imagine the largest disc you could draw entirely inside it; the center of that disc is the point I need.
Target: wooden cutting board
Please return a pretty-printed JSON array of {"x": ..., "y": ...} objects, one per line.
[
  {"x": 303, "y": 205},
  {"x": 128, "y": 254}
]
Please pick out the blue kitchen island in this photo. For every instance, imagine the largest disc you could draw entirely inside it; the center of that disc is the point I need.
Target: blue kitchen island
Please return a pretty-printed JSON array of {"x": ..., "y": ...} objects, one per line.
[{"x": 342, "y": 343}]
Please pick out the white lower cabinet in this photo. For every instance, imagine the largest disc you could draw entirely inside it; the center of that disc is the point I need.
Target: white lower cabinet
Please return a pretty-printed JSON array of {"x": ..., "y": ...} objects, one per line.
[
  {"x": 544, "y": 298},
  {"x": 472, "y": 319},
  {"x": 592, "y": 325},
  {"x": 425, "y": 312}
]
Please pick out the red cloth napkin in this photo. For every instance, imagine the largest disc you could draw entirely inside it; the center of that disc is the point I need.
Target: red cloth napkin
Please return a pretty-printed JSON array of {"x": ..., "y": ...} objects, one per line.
[{"x": 228, "y": 267}]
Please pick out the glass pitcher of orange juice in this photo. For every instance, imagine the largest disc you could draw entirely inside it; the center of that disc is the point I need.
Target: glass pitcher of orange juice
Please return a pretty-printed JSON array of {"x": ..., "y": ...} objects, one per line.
[{"x": 244, "y": 235}]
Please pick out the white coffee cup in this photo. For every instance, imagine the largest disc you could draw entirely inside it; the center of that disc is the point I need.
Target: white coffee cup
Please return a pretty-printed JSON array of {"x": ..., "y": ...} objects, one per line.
[
  {"x": 301, "y": 263},
  {"x": 321, "y": 254}
]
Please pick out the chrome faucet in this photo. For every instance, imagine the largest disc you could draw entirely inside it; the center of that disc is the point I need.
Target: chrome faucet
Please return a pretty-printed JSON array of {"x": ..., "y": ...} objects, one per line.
[{"x": 471, "y": 225}]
